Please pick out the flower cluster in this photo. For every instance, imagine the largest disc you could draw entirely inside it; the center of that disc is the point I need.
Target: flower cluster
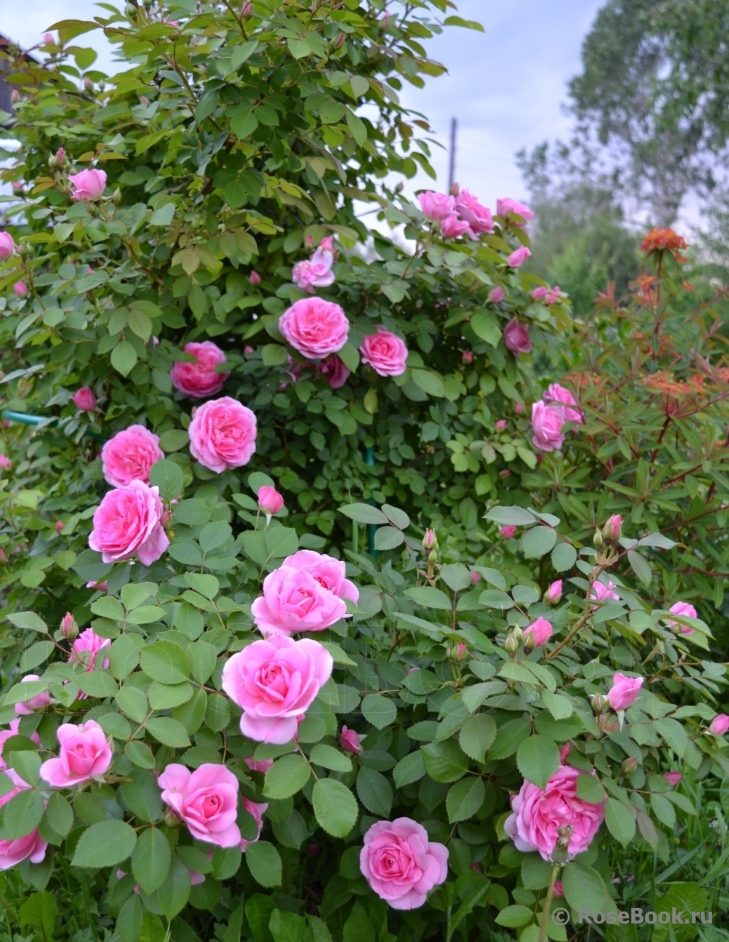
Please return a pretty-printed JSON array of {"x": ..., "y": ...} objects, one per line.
[{"x": 549, "y": 416}]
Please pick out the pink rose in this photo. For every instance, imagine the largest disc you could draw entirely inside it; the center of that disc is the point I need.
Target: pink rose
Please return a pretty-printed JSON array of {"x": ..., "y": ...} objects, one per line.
[
  {"x": 516, "y": 338},
  {"x": 206, "y": 800},
  {"x": 20, "y": 288},
  {"x": 87, "y": 648},
  {"x": 223, "y": 434},
  {"x": 258, "y": 765},
  {"x": 540, "y": 631},
  {"x": 613, "y": 527},
  {"x": 334, "y": 371},
  {"x": 59, "y": 526},
  {"x": 518, "y": 257},
  {"x": 269, "y": 500},
  {"x": 719, "y": 725},
  {"x": 84, "y": 399},
  {"x": 673, "y": 778},
  {"x": 537, "y": 815},
  {"x": 467, "y": 356},
  {"x": 564, "y": 753},
  {"x": 99, "y": 586},
  {"x": 507, "y": 208},
  {"x": 5, "y": 463},
  {"x": 7, "y": 246},
  {"x": 547, "y": 422},
  {"x": 624, "y": 691},
  {"x": 436, "y": 206},
  {"x": 48, "y": 39},
  {"x": 384, "y": 352},
  {"x": 554, "y": 592},
  {"x": 85, "y": 754},
  {"x": 500, "y": 425},
  {"x": 293, "y": 600},
  {"x": 316, "y": 273},
  {"x": 551, "y": 297},
  {"x": 129, "y": 455},
  {"x": 6, "y": 734},
  {"x": 507, "y": 531},
  {"x": 684, "y": 610},
  {"x": 128, "y": 522},
  {"x": 256, "y": 810},
  {"x": 475, "y": 577},
  {"x": 275, "y": 681},
  {"x": 497, "y": 294},
  {"x": 603, "y": 593},
  {"x": 88, "y": 184},
  {"x": 314, "y": 327},
  {"x": 198, "y": 378},
  {"x": 60, "y": 155},
  {"x": 471, "y": 211},
  {"x": 452, "y": 227},
  {"x": 254, "y": 278},
  {"x": 39, "y": 702},
  {"x": 539, "y": 293},
  {"x": 329, "y": 572},
  {"x": 558, "y": 890},
  {"x": 558, "y": 395},
  {"x": 31, "y": 845},
  {"x": 518, "y": 408},
  {"x": 400, "y": 864},
  {"x": 349, "y": 741}
]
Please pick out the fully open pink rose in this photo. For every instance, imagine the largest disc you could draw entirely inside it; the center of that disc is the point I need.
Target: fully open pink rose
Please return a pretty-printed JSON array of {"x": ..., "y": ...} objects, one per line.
[
  {"x": 538, "y": 814},
  {"x": 90, "y": 650},
  {"x": 88, "y": 184},
  {"x": 559, "y": 396},
  {"x": 84, "y": 399},
  {"x": 269, "y": 500},
  {"x": 685, "y": 610},
  {"x": 516, "y": 338},
  {"x": 540, "y": 631},
  {"x": 85, "y": 754},
  {"x": 603, "y": 592},
  {"x": 315, "y": 327},
  {"x": 349, "y": 741},
  {"x": 256, "y": 810},
  {"x": 317, "y": 272},
  {"x": 508, "y": 208},
  {"x": 206, "y": 800},
  {"x": 32, "y": 846},
  {"x": 7, "y": 246},
  {"x": 128, "y": 522},
  {"x": 471, "y": 211},
  {"x": 294, "y": 600},
  {"x": 334, "y": 371},
  {"x": 400, "y": 864},
  {"x": 329, "y": 572},
  {"x": 719, "y": 725},
  {"x": 518, "y": 257},
  {"x": 452, "y": 227},
  {"x": 384, "y": 352},
  {"x": 223, "y": 434},
  {"x": 547, "y": 422},
  {"x": 624, "y": 691},
  {"x": 39, "y": 702},
  {"x": 197, "y": 378},
  {"x": 129, "y": 455},
  {"x": 274, "y": 682},
  {"x": 6, "y": 734},
  {"x": 436, "y": 206}
]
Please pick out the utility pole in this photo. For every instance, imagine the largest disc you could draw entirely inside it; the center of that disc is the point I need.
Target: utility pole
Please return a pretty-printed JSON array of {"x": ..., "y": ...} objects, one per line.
[{"x": 452, "y": 155}]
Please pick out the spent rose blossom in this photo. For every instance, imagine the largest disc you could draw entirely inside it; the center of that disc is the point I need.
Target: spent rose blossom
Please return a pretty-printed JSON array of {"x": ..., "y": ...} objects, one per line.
[
  {"x": 497, "y": 294},
  {"x": 507, "y": 208},
  {"x": 129, "y": 455},
  {"x": 385, "y": 353},
  {"x": 315, "y": 327},
  {"x": 452, "y": 227},
  {"x": 256, "y": 810},
  {"x": 518, "y": 257},
  {"x": 684, "y": 610},
  {"x": 91, "y": 650},
  {"x": 603, "y": 592},
  {"x": 516, "y": 338},
  {"x": 538, "y": 814},
  {"x": 478, "y": 217},
  {"x": 293, "y": 600},
  {"x": 7, "y": 246},
  {"x": 274, "y": 682},
  {"x": 84, "y": 399},
  {"x": 673, "y": 778},
  {"x": 269, "y": 500},
  {"x": 540, "y": 631},
  {"x": 507, "y": 531},
  {"x": 401, "y": 864},
  {"x": 719, "y": 725},
  {"x": 206, "y": 800},
  {"x": 21, "y": 289},
  {"x": 624, "y": 691},
  {"x": 436, "y": 206},
  {"x": 85, "y": 754},
  {"x": 127, "y": 522},
  {"x": 557, "y": 395},
  {"x": 197, "y": 378},
  {"x": 6, "y": 734},
  {"x": 334, "y": 371},
  {"x": 39, "y": 702},
  {"x": 29, "y": 846},
  {"x": 222, "y": 434},
  {"x": 88, "y": 184},
  {"x": 349, "y": 741},
  {"x": 547, "y": 423}
]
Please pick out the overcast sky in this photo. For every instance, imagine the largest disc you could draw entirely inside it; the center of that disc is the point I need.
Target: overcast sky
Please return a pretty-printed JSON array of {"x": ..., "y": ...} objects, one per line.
[{"x": 505, "y": 86}]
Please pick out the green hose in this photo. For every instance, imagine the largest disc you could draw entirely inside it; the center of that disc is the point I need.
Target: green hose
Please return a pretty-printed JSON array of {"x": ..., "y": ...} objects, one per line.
[{"x": 35, "y": 420}]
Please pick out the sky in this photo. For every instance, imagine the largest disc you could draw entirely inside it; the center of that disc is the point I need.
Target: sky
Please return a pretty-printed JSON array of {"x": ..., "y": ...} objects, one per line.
[{"x": 506, "y": 86}]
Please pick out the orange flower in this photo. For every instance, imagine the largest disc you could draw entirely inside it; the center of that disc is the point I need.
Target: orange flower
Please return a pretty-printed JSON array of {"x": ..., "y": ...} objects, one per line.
[{"x": 660, "y": 240}]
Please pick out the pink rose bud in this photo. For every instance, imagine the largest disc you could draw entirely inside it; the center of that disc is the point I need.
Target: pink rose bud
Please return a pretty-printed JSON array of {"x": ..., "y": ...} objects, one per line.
[
  {"x": 624, "y": 691},
  {"x": 15, "y": 96},
  {"x": 17, "y": 186},
  {"x": 436, "y": 206},
  {"x": 69, "y": 628},
  {"x": 719, "y": 725},
  {"x": 246, "y": 9},
  {"x": 20, "y": 288},
  {"x": 558, "y": 890},
  {"x": 564, "y": 752},
  {"x": 518, "y": 408},
  {"x": 538, "y": 633},
  {"x": 385, "y": 20},
  {"x": 685, "y": 610},
  {"x": 84, "y": 399},
  {"x": 312, "y": 850},
  {"x": 349, "y": 741},
  {"x": 461, "y": 651},
  {"x": 497, "y": 294},
  {"x": 88, "y": 84},
  {"x": 88, "y": 185},
  {"x": 539, "y": 293},
  {"x": 475, "y": 576},
  {"x": 3, "y": 557},
  {"x": 59, "y": 526},
  {"x": 518, "y": 257},
  {"x": 340, "y": 40},
  {"x": 48, "y": 39},
  {"x": 554, "y": 593},
  {"x": 7, "y": 245},
  {"x": 144, "y": 100},
  {"x": 613, "y": 527},
  {"x": 516, "y": 338},
  {"x": 507, "y": 531},
  {"x": 673, "y": 778},
  {"x": 247, "y": 350},
  {"x": 5, "y": 463},
  {"x": 254, "y": 278},
  {"x": 504, "y": 473},
  {"x": 269, "y": 500},
  {"x": 500, "y": 425},
  {"x": 630, "y": 764},
  {"x": 598, "y": 702},
  {"x": 467, "y": 356},
  {"x": 430, "y": 541},
  {"x": 60, "y": 155}
]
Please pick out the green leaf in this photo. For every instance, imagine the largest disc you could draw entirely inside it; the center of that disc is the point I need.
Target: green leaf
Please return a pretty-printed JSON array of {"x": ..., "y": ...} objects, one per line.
[
  {"x": 287, "y": 927},
  {"x": 28, "y": 620},
  {"x": 168, "y": 731},
  {"x": 330, "y": 758},
  {"x": 589, "y": 789},
  {"x": 444, "y": 761},
  {"x": 363, "y": 513},
  {"x": 430, "y": 383},
  {"x": 36, "y": 654},
  {"x": 620, "y": 821},
  {"x": 129, "y": 920},
  {"x": 39, "y": 911},
  {"x": 124, "y": 357},
  {"x": 97, "y": 684},
  {"x": 486, "y": 326},
  {"x": 640, "y": 567},
  {"x": 175, "y": 891},
  {"x": 22, "y": 814},
  {"x": 286, "y": 776},
  {"x": 564, "y": 556},
  {"x": 163, "y": 215},
  {"x": 281, "y": 541},
  {"x": 167, "y": 476},
  {"x": 264, "y": 862},
  {"x": 104, "y": 844},
  {"x": 537, "y": 758},
  {"x": 409, "y": 769},
  {"x": 516, "y": 516},
  {"x": 374, "y": 791},
  {"x": 387, "y": 538},
  {"x": 335, "y": 807},
  {"x": 464, "y": 799},
  {"x": 59, "y": 814},
  {"x": 583, "y": 887},
  {"x": 142, "y": 795},
  {"x": 430, "y": 597},
  {"x": 508, "y": 738},
  {"x": 165, "y": 662},
  {"x": 379, "y": 710},
  {"x": 514, "y": 916},
  {"x": 560, "y": 707},
  {"x": 151, "y": 860},
  {"x": 476, "y": 735},
  {"x": 538, "y": 541},
  {"x": 273, "y": 354},
  {"x": 535, "y": 872}
]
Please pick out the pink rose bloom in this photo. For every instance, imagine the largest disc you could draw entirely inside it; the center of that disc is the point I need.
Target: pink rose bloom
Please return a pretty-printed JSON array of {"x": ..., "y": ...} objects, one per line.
[
  {"x": 38, "y": 702},
  {"x": 6, "y": 734},
  {"x": 334, "y": 371},
  {"x": 20, "y": 288},
  {"x": 5, "y": 463},
  {"x": 554, "y": 592},
  {"x": 223, "y": 434},
  {"x": 537, "y": 814},
  {"x": 685, "y": 610},
  {"x": 129, "y": 455},
  {"x": 198, "y": 378},
  {"x": 258, "y": 765},
  {"x": 385, "y": 353},
  {"x": 206, "y": 800},
  {"x": 547, "y": 422},
  {"x": 551, "y": 297},
  {"x": 274, "y": 682},
  {"x": 85, "y": 754},
  {"x": 269, "y": 500},
  {"x": 558, "y": 890},
  {"x": 508, "y": 207},
  {"x": 400, "y": 864},
  {"x": 540, "y": 630},
  {"x": 518, "y": 257},
  {"x": 32, "y": 846},
  {"x": 613, "y": 527},
  {"x": 293, "y": 600},
  {"x": 719, "y": 725},
  {"x": 88, "y": 184},
  {"x": 329, "y": 572},
  {"x": 500, "y": 425},
  {"x": 516, "y": 338},
  {"x": 254, "y": 278},
  {"x": 624, "y": 691},
  {"x": 603, "y": 593},
  {"x": 436, "y": 206},
  {"x": 59, "y": 526},
  {"x": 84, "y": 399},
  {"x": 558, "y": 395},
  {"x": 349, "y": 741},
  {"x": 316, "y": 273},
  {"x": 539, "y": 293},
  {"x": 673, "y": 778},
  {"x": 452, "y": 227},
  {"x": 87, "y": 648},
  {"x": 471, "y": 211},
  {"x": 497, "y": 294},
  {"x": 48, "y": 39},
  {"x": 7, "y": 246},
  {"x": 128, "y": 522},
  {"x": 315, "y": 327},
  {"x": 507, "y": 531},
  {"x": 256, "y": 810}
]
